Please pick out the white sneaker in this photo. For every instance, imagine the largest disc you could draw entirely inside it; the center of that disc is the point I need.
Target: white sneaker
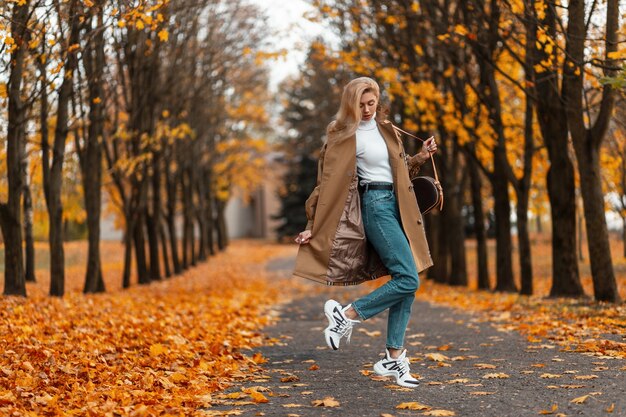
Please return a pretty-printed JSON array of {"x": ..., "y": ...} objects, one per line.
[
  {"x": 338, "y": 324},
  {"x": 398, "y": 368}
]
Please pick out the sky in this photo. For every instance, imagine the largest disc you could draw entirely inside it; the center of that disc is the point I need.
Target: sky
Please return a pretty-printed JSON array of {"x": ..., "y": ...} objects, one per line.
[{"x": 294, "y": 34}]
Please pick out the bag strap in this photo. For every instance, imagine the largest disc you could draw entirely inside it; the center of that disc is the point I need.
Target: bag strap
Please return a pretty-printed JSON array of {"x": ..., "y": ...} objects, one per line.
[{"x": 431, "y": 155}]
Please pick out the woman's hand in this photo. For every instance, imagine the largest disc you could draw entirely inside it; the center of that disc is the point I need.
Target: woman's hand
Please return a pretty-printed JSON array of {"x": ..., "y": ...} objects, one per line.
[
  {"x": 429, "y": 147},
  {"x": 304, "y": 237}
]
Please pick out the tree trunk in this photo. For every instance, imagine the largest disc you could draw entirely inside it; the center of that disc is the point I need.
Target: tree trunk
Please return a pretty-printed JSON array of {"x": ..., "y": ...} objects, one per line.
[
  {"x": 91, "y": 156},
  {"x": 502, "y": 208},
  {"x": 222, "y": 234},
  {"x": 128, "y": 249},
  {"x": 185, "y": 236},
  {"x": 587, "y": 142},
  {"x": 153, "y": 220},
  {"x": 199, "y": 213},
  {"x": 624, "y": 236},
  {"x": 209, "y": 217},
  {"x": 439, "y": 272},
  {"x": 153, "y": 245},
  {"x": 560, "y": 178},
  {"x": 454, "y": 218},
  {"x": 479, "y": 225},
  {"x": 55, "y": 178},
  {"x": 188, "y": 232},
  {"x": 11, "y": 212},
  {"x": 604, "y": 283},
  {"x": 166, "y": 258},
  {"x": 171, "y": 231},
  {"x": 579, "y": 232},
  {"x": 143, "y": 277},
  {"x": 565, "y": 278},
  {"x": 28, "y": 221},
  {"x": 522, "y": 185},
  {"x": 525, "y": 257}
]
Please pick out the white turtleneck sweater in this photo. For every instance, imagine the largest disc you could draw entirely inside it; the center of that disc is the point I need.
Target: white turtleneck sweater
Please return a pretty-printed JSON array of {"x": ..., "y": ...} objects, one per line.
[{"x": 372, "y": 156}]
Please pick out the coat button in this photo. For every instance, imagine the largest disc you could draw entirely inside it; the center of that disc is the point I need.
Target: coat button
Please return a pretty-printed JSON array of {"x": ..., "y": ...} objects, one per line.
[
  {"x": 411, "y": 187},
  {"x": 419, "y": 221}
]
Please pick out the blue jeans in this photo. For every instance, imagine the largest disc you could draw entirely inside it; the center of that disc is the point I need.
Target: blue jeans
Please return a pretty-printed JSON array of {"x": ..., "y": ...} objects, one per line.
[{"x": 383, "y": 229}]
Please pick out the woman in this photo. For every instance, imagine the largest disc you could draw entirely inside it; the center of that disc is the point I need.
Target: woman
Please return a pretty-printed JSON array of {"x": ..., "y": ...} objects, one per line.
[{"x": 363, "y": 223}]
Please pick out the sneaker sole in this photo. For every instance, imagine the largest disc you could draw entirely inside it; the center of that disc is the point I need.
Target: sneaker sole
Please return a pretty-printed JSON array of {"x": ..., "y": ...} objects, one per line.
[
  {"x": 328, "y": 311},
  {"x": 384, "y": 372}
]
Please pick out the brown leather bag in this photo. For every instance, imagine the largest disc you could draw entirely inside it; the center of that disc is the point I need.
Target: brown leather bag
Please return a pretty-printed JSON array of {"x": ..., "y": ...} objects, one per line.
[{"x": 428, "y": 190}]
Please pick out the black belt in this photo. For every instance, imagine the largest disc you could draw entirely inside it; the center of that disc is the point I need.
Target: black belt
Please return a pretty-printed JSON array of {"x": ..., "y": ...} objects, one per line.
[{"x": 376, "y": 186}]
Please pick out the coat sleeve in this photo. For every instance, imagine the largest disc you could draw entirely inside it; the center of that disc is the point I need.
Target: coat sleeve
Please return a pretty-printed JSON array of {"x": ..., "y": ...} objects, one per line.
[{"x": 311, "y": 202}]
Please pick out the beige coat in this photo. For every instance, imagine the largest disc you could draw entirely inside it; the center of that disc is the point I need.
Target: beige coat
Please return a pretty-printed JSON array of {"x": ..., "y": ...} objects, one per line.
[{"x": 338, "y": 252}]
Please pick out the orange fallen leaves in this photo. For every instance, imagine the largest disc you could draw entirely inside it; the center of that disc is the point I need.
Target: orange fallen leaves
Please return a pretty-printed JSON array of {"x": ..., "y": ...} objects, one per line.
[
  {"x": 552, "y": 410},
  {"x": 439, "y": 413},
  {"x": 498, "y": 375},
  {"x": 580, "y": 400},
  {"x": 146, "y": 350},
  {"x": 326, "y": 402},
  {"x": 414, "y": 405}
]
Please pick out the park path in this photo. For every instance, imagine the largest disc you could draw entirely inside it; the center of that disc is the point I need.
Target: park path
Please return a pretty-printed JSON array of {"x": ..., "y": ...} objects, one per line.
[{"x": 466, "y": 366}]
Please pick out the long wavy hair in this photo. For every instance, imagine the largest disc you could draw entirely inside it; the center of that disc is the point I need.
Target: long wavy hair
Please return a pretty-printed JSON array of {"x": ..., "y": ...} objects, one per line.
[{"x": 349, "y": 114}]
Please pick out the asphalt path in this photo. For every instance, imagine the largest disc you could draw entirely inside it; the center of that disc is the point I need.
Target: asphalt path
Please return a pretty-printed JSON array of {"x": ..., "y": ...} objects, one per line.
[{"x": 466, "y": 366}]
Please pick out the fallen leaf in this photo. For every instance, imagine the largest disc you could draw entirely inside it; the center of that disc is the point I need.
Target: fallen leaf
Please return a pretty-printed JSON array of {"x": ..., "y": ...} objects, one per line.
[
  {"x": 386, "y": 415},
  {"x": 258, "y": 358},
  {"x": 374, "y": 333},
  {"x": 413, "y": 406},
  {"x": 551, "y": 411},
  {"x": 257, "y": 397},
  {"x": 484, "y": 366},
  {"x": 290, "y": 378},
  {"x": 585, "y": 377},
  {"x": 314, "y": 367},
  {"x": 458, "y": 381},
  {"x": 258, "y": 388},
  {"x": 398, "y": 388},
  {"x": 481, "y": 393},
  {"x": 292, "y": 405},
  {"x": 550, "y": 376},
  {"x": 610, "y": 408},
  {"x": 499, "y": 375},
  {"x": 326, "y": 402},
  {"x": 157, "y": 349},
  {"x": 441, "y": 413},
  {"x": 580, "y": 400},
  {"x": 437, "y": 357}
]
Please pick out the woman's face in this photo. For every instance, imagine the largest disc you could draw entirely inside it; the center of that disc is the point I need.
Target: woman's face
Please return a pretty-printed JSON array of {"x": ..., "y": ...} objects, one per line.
[{"x": 368, "y": 106}]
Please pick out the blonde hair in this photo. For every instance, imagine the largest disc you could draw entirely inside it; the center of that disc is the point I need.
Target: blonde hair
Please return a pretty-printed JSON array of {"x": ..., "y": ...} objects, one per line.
[{"x": 349, "y": 114}]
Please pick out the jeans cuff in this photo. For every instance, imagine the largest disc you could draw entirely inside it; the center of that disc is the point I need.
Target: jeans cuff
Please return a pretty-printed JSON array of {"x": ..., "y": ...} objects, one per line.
[
  {"x": 358, "y": 312},
  {"x": 394, "y": 347}
]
